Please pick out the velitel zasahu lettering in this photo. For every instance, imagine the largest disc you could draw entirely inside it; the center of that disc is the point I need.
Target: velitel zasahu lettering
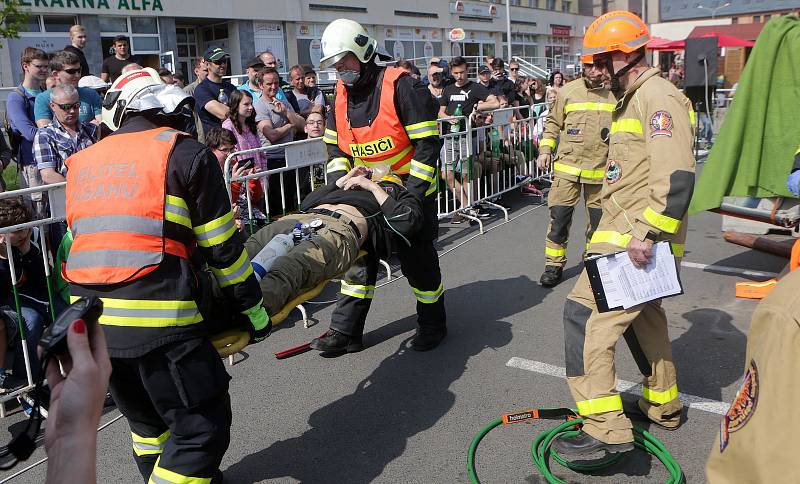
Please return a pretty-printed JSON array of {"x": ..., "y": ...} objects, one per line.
[{"x": 112, "y": 181}]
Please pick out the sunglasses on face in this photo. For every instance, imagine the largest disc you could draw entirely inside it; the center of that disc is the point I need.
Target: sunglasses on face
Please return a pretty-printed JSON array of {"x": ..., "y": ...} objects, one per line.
[
  {"x": 73, "y": 71},
  {"x": 514, "y": 69},
  {"x": 67, "y": 107}
]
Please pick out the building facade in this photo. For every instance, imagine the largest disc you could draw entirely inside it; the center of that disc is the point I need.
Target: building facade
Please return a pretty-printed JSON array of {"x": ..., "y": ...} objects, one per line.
[
  {"x": 738, "y": 11},
  {"x": 176, "y": 31}
]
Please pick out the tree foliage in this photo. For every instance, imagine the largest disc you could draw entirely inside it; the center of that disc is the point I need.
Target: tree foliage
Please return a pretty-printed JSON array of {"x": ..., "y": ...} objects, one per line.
[{"x": 11, "y": 19}]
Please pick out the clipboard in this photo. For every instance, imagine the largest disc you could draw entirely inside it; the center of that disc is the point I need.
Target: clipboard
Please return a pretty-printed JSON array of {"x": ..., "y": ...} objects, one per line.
[{"x": 598, "y": 291}]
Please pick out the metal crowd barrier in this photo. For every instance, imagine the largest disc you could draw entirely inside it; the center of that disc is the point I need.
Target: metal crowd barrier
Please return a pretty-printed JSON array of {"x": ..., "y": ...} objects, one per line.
[
  {"x": 56, "y": 194},
  {"x": 483, "y": 158}
]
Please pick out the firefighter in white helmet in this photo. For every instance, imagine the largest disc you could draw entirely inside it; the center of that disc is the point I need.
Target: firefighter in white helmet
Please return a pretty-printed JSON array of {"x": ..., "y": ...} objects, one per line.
[
  {"x": 143, "y": 204},
  {"x": 369, "y": 125}
]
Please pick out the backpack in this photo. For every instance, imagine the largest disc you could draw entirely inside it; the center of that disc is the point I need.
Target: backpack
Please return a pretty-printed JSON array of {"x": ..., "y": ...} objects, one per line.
[{"x": 14, "y": 136}]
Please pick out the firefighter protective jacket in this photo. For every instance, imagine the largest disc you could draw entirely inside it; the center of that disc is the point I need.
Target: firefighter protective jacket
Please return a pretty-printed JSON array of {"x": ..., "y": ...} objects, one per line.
[
  {"x": 577, "y": 124},
  {"x": 139, "y": 203},
  {"x": 390, "y": 118},
  {"x": 649, "y": 177}
]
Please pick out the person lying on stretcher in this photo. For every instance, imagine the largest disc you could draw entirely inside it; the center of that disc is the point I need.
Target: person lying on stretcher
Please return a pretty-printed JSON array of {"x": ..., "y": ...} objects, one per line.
[{"x": 355, "y": 212}]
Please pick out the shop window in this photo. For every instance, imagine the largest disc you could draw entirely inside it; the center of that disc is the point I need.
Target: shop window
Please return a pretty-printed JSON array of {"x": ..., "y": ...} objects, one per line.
[
  {"x": 32, "y": 23},
  {"x": 141, "y": 44},
  {"x": 142, "y": 32},
  {"x": 113, "y": 24},
  {"x": 144, "y": 25},
  {"x": 46, "y": 23},
  {"x": 58, "y": 23}
]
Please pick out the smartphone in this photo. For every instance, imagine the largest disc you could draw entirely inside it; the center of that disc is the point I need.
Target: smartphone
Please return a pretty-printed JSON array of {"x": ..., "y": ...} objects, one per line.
[
  {"x": 247, "y": 164},
  {"x": 54, "y": 338}
]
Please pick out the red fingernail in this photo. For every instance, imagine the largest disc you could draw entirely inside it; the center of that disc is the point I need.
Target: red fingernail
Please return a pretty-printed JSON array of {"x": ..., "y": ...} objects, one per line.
[{"x": 79, "y": 326}]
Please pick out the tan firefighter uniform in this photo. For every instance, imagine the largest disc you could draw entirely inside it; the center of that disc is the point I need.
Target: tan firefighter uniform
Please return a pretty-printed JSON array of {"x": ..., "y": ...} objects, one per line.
[
  {"x": 757, "y": 438},
  {"x": 577, "y": 123},
  {"x": 646, "y": 191}
]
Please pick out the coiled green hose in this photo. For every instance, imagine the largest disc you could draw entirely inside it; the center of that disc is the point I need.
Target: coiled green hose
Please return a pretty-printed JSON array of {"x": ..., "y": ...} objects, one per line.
[{"x": 541, "y": 452}]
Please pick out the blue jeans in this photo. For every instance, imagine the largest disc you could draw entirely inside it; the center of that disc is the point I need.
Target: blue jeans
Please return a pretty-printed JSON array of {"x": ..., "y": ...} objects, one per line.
[
  {"x": 34, "y": 325},
  {"x": 706, "y": 131}
]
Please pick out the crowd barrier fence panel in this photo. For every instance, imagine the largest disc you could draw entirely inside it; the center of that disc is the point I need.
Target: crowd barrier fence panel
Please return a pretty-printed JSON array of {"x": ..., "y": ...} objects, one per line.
[
  {"x": 56, "y": 195},
  {"x": 482, "y": 161}
]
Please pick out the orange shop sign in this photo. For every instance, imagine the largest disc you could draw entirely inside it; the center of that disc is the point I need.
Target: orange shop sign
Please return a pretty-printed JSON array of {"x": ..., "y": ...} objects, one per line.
[{"x": 457, "y": 35}]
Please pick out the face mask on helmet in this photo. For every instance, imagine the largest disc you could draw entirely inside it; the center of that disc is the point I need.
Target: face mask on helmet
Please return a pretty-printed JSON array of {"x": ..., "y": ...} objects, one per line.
[{"x": 348, "y": 77}]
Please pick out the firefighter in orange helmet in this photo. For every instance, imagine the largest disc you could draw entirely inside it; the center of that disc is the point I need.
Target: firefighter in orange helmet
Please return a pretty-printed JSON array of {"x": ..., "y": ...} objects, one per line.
[
  {"x": 146, "y": 205},
  {"x": 648, "y": 182}
]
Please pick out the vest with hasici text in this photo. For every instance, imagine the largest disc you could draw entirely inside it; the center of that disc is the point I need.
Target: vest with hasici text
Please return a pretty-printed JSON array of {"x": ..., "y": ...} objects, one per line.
[{"x": 384, "y": 140}]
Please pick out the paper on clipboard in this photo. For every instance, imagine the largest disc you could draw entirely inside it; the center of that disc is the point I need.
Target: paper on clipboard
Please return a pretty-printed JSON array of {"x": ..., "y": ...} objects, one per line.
[{"x": 624, "y": 286}]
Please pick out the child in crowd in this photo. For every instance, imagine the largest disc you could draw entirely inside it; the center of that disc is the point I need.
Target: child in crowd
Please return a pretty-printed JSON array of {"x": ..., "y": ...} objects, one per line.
[{"x": 31, "y": 287}]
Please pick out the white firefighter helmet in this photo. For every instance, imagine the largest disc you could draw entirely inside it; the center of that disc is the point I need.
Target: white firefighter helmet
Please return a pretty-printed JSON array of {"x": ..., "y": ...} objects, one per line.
[
  {"x": 138, "y": 91},
  {"x": 343, "y": 36}
]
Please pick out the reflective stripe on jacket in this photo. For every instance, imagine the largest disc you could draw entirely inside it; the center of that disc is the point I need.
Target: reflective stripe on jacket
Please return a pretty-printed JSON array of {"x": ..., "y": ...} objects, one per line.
[
  {"x": 575, "y": 130},
  {"x": 649, "y": 176}
]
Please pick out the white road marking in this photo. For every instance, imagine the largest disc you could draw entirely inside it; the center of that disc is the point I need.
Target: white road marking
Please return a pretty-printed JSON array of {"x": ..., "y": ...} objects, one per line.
[
  {"x": 730, "y": 270},
  {"x": 691, "y": 401}
]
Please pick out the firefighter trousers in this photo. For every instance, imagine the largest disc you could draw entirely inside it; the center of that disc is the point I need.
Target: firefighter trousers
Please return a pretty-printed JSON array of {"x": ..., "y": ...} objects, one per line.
[
  {"x": 176, "y": 401},
  {"x": 420, "y": 265},
  {"x": 590, "y": 338},
  {"x": 327, "y": 254},
  {"x": 563, "y": 198}
]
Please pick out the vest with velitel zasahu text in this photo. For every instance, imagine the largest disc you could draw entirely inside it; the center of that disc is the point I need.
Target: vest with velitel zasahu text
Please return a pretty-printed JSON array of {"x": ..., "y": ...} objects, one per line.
[
  {"x": 116, "y": 193},
  {"x": 384, "y": 140}
]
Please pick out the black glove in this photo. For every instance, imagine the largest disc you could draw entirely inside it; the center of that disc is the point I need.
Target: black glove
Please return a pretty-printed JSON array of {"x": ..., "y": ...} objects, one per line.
[{"x": 259, "y": 335}]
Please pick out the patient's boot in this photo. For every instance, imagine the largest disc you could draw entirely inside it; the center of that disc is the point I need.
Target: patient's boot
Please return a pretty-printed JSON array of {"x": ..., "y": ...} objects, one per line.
[{"x": 336, "y": 342}]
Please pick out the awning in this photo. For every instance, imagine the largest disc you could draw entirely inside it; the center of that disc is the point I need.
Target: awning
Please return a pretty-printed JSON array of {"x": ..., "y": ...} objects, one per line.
[{"x": 724, "y": 40}]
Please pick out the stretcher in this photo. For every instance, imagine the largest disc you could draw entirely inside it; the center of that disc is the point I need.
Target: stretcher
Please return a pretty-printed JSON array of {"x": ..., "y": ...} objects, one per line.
[{"x": 230, "y": 342}]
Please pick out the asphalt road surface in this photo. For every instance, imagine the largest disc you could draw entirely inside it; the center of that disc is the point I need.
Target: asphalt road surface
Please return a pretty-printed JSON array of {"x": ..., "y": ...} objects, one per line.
[{"x": 392, "y": 415}]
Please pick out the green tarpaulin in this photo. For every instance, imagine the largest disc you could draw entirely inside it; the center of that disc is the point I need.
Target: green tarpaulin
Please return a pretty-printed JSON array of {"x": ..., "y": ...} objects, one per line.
[{"x": 753, "y": 154}]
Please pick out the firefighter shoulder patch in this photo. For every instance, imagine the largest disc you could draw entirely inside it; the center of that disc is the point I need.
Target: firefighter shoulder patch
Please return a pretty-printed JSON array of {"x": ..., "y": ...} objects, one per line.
[
  {"x": 743, "y": 406},
  {"x": 661, "y": 124}
]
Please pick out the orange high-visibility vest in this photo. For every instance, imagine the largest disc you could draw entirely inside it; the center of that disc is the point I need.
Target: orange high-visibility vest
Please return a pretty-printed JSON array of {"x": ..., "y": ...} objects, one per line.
[
  {"x": 116, "y": 192},
  {"x": 384, "y": 140}
]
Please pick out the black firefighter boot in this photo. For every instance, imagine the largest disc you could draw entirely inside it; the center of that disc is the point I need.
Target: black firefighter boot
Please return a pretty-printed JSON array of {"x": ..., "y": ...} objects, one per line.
[
  {"x": 585, "y": 447},
  {"x": 335, "y": 342},
  {"x": 551, "y": 276}
]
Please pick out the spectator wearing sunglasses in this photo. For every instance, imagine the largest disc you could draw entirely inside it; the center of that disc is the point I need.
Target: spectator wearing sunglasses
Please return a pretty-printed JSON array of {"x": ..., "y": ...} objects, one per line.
[
  {"x": 65, "y": 136},
  {"x": 513, "y": 71},
  {"x": 66, "y": 68},
  {"x": 500, "y": 84}
]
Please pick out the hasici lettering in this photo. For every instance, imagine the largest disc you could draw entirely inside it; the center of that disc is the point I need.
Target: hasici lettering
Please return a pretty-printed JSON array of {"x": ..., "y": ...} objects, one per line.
[{"x": 372, "y": 148}]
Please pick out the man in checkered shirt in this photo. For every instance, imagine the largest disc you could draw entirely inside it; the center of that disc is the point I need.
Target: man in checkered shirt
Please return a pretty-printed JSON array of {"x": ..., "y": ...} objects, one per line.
[{"x": 54, "y": 143}]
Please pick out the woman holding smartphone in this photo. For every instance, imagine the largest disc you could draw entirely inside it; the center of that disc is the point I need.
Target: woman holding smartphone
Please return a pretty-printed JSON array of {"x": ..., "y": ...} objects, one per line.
[{"x": 241, "y": 122}]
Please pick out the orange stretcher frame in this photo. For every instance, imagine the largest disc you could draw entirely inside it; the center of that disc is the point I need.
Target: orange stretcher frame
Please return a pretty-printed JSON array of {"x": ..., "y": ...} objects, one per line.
[{"x": 230, "y": 342}]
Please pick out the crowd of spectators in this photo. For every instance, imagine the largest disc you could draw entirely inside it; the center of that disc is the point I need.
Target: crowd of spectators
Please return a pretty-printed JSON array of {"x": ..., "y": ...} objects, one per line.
[{"x": 56, "y": 111}]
